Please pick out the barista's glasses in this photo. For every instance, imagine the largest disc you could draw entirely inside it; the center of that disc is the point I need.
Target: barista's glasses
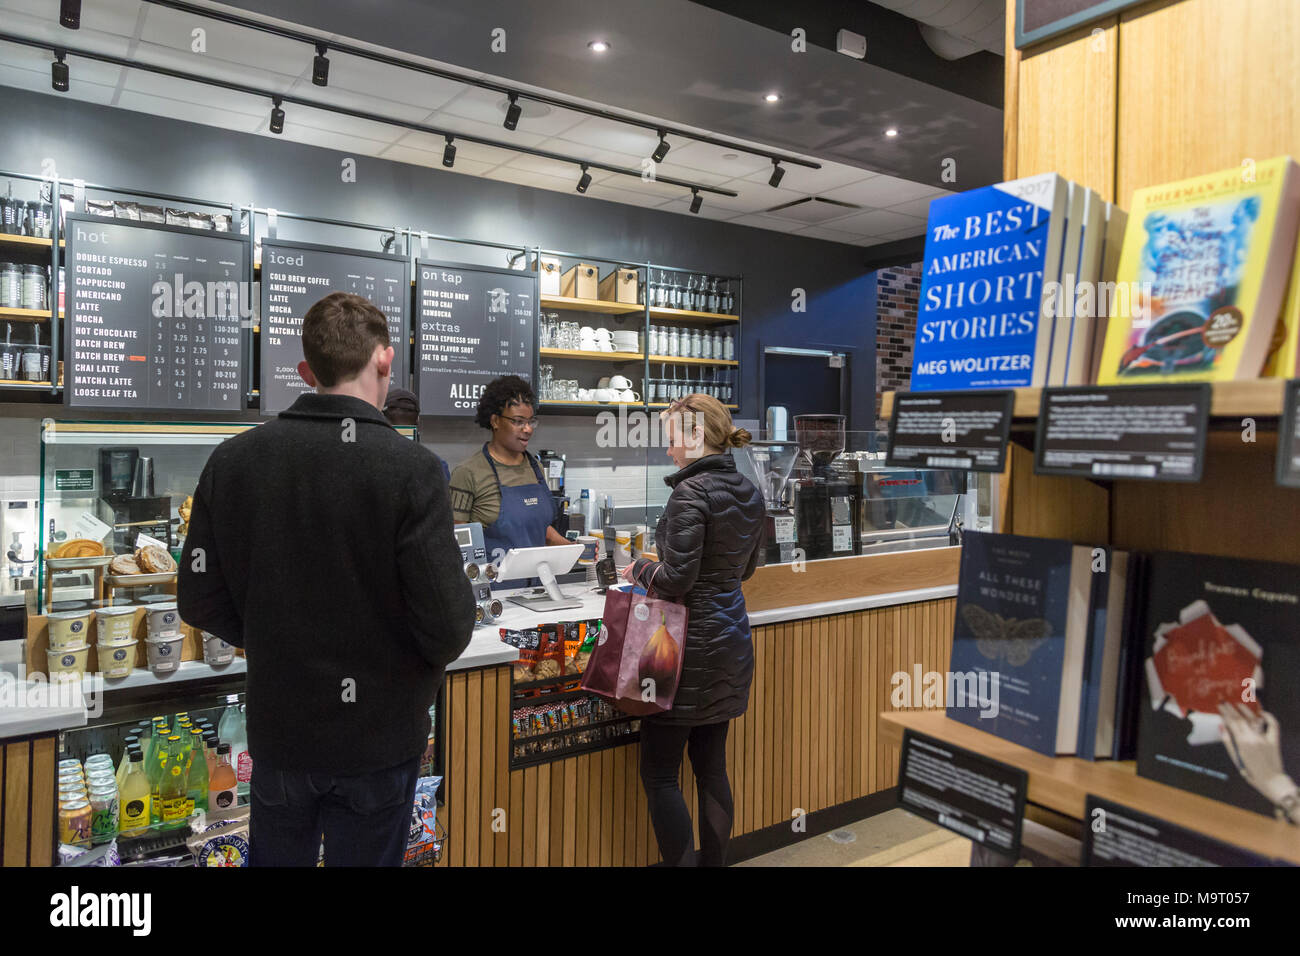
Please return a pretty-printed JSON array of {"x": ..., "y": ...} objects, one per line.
[{"x": 520, "y": 422}]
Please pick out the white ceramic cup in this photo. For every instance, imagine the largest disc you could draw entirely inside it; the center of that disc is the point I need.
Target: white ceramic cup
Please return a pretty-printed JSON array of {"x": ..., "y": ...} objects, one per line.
[
  {"x": 584, "y": 394},
  {"x": 627, "y": 395},
  {"x": 620, "y": 382},
  {"x": 605, "y": 395},
  {"x": 603, "y": 333},
  {"x": 604, "y": 382}
]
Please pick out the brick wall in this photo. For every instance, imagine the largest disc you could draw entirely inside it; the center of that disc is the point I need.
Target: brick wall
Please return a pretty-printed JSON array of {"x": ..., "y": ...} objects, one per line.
[{"x": 898, "y": 290}]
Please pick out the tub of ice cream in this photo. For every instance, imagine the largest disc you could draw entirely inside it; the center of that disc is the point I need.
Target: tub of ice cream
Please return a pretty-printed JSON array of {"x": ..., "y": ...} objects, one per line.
[
  {"x": 69, "y": 629},
  {"x": 116, "y": 625},
  {"x": 116, "y": 660},
  {"x": 164, "y": 652},
  {"x": 217, "y": 651},
  {"x": 67, "y": 662},
  {"x": 164, "y": 619}
]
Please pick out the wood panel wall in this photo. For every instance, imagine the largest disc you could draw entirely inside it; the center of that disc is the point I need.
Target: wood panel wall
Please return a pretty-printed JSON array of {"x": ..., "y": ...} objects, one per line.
[
  {"x": 809, "y": 741},
  {"x": 28, "y": 773}
]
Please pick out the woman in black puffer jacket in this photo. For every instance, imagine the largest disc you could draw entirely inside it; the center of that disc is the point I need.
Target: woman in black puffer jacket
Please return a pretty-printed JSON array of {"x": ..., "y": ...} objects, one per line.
[{"x": 707, "y": 541}]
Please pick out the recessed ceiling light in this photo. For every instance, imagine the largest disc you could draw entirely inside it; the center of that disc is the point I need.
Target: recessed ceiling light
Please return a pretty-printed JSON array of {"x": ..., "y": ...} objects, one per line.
[
  {"x": 891, "y": 132},
  {"x": 597, "y": 46},
  {"x": 772, "y": 97}
]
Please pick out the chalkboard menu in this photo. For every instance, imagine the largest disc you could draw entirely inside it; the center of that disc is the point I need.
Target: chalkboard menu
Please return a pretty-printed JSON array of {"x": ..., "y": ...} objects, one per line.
[
  {"x": 154, "y": 316},
  {"x": 296, "y": 275},
  {"x": 475, "y": 324}
]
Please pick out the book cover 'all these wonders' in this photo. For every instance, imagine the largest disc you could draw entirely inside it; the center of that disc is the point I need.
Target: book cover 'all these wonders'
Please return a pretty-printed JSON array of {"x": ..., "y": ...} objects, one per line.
[
  {"x": 1013, "y": 602},
  {"x": 1220, "y": 712}
]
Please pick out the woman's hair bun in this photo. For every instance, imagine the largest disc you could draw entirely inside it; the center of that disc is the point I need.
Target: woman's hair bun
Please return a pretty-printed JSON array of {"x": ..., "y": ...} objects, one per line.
[{"x": 739, "y": 438}]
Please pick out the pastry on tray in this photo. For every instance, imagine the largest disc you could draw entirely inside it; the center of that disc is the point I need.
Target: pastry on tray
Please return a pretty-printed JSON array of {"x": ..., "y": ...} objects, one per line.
[
  {"x": 154, "y": 560},
  {"x": 79, "y": 548},
  {"x": 123, "y": 564}
]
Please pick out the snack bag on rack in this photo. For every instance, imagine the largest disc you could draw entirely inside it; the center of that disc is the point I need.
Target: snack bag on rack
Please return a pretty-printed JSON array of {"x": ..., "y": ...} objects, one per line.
[
  {"x": 550, "y": 652},
  {"x": 423, "y": 843},
  {"x": 527, "y": 642}
]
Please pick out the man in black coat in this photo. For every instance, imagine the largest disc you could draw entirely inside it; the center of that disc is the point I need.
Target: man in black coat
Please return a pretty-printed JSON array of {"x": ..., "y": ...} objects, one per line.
[{"x": 321, "y": 543}]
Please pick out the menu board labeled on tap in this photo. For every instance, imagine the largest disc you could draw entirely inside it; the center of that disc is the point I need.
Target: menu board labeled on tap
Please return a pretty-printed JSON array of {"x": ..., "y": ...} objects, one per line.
[
  {"x": 154, "y": 316},
  {"x": 297, "y": 275},
  {"x": 476, "y": 323}
]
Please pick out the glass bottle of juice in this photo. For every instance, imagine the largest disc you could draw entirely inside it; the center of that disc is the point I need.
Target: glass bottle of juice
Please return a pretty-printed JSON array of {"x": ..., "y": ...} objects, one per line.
[
  {"x": 197, "y": 778},
  {"x": 210, "y": 742},
  {"x": 172, "y": 788},
  {"x": 132, "y": 741},
  {"x": 135, "y": 797},
  {"x": 155, "y": 761},
  {"x": 222, "y": 788}
]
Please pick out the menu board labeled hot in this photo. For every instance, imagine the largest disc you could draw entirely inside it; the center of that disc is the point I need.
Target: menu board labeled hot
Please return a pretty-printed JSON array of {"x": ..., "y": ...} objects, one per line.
[
  {"x": 295, "y": 276},
  {"x": 154, "y": 316},
  {"x": 475, "y": 324}
]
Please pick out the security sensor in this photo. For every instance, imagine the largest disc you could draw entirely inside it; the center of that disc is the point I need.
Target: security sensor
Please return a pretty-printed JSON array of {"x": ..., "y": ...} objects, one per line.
[{"x": 851, "y": 44}]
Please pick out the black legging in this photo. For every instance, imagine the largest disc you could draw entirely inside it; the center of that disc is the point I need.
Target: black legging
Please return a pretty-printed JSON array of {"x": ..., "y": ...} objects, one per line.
[{"x": 661, "y": 759}]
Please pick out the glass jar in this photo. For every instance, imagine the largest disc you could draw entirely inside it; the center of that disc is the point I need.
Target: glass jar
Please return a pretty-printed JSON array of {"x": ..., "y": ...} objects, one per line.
[
  {"x": 695, "y": 343},
  {"x": 706, "y": 345},
  {"x": 674, "y": 343},
  {"x": 11, "y": 285},
  {"x": 728, "y": 347}
]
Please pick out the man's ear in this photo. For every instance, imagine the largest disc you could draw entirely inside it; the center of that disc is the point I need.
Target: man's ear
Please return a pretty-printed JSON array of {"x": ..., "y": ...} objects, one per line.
[
  {"x": 304, "y": 370},
  {"x": 384, "y": 360}
]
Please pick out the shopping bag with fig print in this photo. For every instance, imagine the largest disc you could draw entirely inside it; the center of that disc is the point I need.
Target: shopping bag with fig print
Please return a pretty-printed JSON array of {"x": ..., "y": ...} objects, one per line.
[{"x": 638, "y": 661}]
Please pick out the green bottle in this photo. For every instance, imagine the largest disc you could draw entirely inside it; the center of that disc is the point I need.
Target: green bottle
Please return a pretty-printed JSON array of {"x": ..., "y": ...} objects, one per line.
[
  {"x": 172, "y": 791},
  {"x": 196, "y": 795},
  {"x": 155, "y": 765}
]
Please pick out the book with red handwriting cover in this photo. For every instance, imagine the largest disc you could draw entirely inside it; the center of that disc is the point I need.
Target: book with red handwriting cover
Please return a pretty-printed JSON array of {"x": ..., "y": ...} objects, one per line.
[{"x": 1220, "y": 715}]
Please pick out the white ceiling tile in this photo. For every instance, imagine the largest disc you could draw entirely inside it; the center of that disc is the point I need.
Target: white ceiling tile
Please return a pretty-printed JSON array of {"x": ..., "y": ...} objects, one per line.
[
  {"x": 38, "y": 81},
  {"x": 752, "y": 198},
  {"x": 339, "y": 123},
  {"x": 524, "y": 177},
  {"x": 201, "y": 96},
  {"x": 919, "y": 207},
  {"x": 811, "y": 211},
  {"x": 547, "y": 167},
  {"x": 879, "y": 192},
  {"x": 877, "y": 222},
  {"x": 487, "y": 155},
  {"x": 490, "y": 131},
  {"x": 325, "y": 139},
  {"x": 105, "y": 27},
  {"x": 709, "y": 158},
  {"x": 37, "y": 62},
  {"x": 489, "y": 107},
  {"x": 709, "y": 209},
  {"x": 260, "y": 75},
  {"x": 633, "y": 196},
  {"x": 361, "y": 102},
  {"x": 166, "y": 29},
  {"x": 606, "y": 134},
  {"x": 422, "y": 157},
  {"x": 390, "y": 83},
  {"x": 667, "y": 169},
  {"x": 814, "y": 182},
  {"x": 189, "y": 111}
]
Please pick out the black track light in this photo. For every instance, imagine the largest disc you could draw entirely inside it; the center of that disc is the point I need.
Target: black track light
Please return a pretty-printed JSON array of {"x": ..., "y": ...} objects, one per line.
[
  {"x": 449, "y": 154},
  {"x": 277, "y": 115},
  {"x": 585, "y": 181},
  {"x": 320, "y": 66},
  {"x": 662, "y": 149},
  {"x": 696, "y": 202},
  {"x": 513, "y": 112},
  {"x": 59, "y": 72},
  {"x": 70, "y": 14},
  {"x": 777, "y": 173}
]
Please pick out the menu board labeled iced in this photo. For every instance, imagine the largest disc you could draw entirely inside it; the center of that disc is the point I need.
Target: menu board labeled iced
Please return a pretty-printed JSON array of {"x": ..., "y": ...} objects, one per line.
[
  {"x": 295, "y": 276},
  {"x": 154, "y": 316},
  {"x": 476, "y": 323}
]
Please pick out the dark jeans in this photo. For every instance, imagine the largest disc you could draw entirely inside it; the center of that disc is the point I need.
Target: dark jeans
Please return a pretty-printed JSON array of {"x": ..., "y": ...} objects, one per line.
[
  {"x": 661, "y": 759},
  {"x": 365, "y": 820}
]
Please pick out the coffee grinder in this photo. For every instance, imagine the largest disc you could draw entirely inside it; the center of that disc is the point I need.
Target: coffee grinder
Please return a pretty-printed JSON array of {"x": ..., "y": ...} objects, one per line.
[
  {"x": 127, "y": 500},
  {"x": 767, "y": 464},
  {"x": 552, "y": 463},
  {"x": 824, "y": 500}
]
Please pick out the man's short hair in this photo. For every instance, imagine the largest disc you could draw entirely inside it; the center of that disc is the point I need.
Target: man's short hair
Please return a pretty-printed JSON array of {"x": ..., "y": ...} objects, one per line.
[{"x": 339, "y": 334}]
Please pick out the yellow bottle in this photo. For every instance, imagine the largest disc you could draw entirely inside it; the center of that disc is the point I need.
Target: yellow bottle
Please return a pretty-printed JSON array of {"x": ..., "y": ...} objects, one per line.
[
  {"x": 135, "y": 796},
  {"x": 172, "y": 787}
]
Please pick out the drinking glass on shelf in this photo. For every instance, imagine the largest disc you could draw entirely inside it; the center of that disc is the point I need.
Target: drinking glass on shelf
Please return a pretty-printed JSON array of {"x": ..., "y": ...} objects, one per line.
[{"x": 544, "y": 373}]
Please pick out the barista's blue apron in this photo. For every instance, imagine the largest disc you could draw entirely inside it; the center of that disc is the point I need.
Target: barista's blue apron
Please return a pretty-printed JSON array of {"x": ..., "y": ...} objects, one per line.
[{"x": 526, "y": 513}]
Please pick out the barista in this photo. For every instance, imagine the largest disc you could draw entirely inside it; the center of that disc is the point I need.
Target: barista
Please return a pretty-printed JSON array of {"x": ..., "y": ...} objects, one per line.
[{"x": 502, "y": 486}]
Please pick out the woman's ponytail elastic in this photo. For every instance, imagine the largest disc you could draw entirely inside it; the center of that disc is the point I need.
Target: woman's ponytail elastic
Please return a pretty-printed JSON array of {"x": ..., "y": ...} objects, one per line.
[{"x": 739, "y": 438}]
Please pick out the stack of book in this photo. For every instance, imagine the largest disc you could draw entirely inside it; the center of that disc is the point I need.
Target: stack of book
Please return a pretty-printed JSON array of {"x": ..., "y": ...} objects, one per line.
[
  {"x": 1180, "y": 660},
  {"x": 1038, "y": 281}
]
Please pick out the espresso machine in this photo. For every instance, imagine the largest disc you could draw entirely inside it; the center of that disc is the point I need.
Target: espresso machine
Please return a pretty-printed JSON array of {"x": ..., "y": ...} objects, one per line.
[
  {"x": 903, "y": 509},
  {"x": 767, "y": 464},
  {"x": 127, "y": 500},
  {"x": 825, "y": 497},
  {"x": 480, "y": 571},
  {"x": 552, "y": 463}
]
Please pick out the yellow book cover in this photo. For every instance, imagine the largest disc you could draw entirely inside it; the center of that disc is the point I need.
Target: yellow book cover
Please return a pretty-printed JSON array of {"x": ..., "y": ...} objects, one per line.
[
  {"x": 1201, "y": 276},
  {"x": 1284, "y": 357}
]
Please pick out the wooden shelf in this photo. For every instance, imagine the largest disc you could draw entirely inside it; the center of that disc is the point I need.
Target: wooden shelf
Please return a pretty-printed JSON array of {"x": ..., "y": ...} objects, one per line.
[
  {"x": 670, "y": 405},
  {"x": 714, "y": 318},
  {"x": 1063, "y": 783},
  {"x": 23, "y": 384},
  {"x": 27, "y": 315},
  {"x": 590, "y": 305},
  {"x": 585, "y": 406},
  {"x": 1261, "y": 397},
  {"x": 678, "y": 360},
  {"x": 7, "y": 239},
  {"x": 591, "y": 356}
]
